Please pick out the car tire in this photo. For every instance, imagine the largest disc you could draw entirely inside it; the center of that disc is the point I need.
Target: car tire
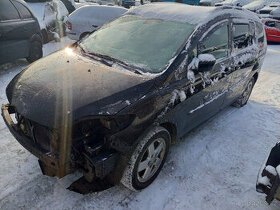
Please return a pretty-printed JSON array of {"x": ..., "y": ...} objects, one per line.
[
  {"x": 45, "y": 37},
  {"x": 243, "y": 99},
  {"x": 35, "y": 51},
  {"x": 147, "y": 159}
]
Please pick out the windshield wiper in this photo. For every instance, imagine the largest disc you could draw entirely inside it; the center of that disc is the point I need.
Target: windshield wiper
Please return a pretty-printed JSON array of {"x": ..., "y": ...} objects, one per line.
[
  {"x": 95, "y": 56},
  {"x": 105, "y": 58}
]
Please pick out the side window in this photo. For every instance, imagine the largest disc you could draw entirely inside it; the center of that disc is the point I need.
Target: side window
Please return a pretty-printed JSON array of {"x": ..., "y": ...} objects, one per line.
[
  {"x": 24, "y": 12},
  {"x": 216, "y": 42},
  {"x": 259, "y": 33},
  {"x": 242, "y": 36},
  {"x": 8, "y": 11},
  {"x": 278, "y": 26},
  {"x": 271, "y": 24}
]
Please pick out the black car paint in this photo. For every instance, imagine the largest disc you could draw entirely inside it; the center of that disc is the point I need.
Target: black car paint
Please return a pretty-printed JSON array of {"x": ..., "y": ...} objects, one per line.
[
  {"x": 17, "y": 34},
  {"x": 73, "y": 85},
  {"x": 148, "y": 96}
]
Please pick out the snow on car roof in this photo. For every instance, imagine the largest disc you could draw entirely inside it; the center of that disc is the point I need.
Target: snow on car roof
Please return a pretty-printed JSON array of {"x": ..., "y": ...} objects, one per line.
[
  {"x": 173, "y": 12},
  {"x": 186, "y": 13}
]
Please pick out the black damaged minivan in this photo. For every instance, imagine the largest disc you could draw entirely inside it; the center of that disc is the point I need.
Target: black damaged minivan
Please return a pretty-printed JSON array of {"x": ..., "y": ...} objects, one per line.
[{"x": 110, "y": 105}]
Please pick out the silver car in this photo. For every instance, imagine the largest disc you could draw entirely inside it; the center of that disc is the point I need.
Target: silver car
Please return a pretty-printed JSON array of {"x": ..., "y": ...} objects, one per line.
[{"x": 87, "y": 19}]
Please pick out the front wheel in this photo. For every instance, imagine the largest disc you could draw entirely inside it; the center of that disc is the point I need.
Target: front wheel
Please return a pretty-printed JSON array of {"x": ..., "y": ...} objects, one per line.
[
  {"x": 147, "y": 159},
  {"x": 243, "y": 99}
]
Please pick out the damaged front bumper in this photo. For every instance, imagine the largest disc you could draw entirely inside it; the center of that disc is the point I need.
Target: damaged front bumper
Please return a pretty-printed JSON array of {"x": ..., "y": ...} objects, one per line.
[
  {"x": 94, "y": 165},
  {"x": 48, "y": 162}
]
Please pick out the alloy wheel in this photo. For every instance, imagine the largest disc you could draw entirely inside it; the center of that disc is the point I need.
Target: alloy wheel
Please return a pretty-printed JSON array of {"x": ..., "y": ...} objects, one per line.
[{"x": 151, "y": 160}]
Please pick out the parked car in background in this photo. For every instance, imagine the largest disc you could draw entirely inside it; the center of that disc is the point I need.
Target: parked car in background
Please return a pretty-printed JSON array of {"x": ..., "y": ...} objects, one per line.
[
  {"x": 275, "y": 14},
  {"x": 265, "y": 12},
  {"x": 272, "y": 29},
  {"x": 111, "y": 104},
  {"x": 51, "y": 16},
  {"x": 209, "y": 2},
  {"x": 255, "y": 6},
  {"x": 190, "y": 2},
  {"x": 20, "y": 35},
  {"x": 239, "y": 3},
  {"x": 88, "y": 19},
  {"x": 126, "y": 3},
  {"x": 35, "y": 1}
]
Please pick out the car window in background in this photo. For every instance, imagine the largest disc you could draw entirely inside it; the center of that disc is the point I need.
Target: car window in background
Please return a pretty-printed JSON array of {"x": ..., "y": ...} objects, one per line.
[
  {"x": 259, "y": 33},
  {"x": 270, "y": 24},
  {"x": 140, "y": 42},
  {"x": 24, "y": 12},
  {"x": 217, "y": 43},
  {"x": 278, "y": 26},
  {"x": 8, "y": 11},
  {"x": 242, "y": 37}
]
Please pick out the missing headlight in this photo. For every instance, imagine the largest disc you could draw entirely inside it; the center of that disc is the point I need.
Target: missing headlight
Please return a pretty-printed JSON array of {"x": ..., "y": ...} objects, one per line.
[{"x": 117, "y": 122}]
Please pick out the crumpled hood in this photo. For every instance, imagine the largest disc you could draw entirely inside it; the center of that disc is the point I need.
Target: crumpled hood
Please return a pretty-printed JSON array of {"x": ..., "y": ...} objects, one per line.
[{"x": 68, "y": 84}]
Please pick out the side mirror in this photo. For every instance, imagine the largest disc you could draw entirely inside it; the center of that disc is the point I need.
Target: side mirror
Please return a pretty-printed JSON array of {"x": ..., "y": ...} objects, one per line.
[{"x": 205, "y": 62}]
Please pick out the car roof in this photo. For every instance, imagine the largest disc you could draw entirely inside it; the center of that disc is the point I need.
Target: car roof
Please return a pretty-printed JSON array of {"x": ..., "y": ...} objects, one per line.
[
  {"x": 268, "y": 19},
  {"x": 189, "y": 14}
]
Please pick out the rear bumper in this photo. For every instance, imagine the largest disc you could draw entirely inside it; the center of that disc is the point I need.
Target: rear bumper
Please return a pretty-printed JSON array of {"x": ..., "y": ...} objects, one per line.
[{"x": 48, "y": 162}]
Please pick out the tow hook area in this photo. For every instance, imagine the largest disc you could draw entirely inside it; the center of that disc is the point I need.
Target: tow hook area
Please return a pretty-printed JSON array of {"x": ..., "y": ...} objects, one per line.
[
  {"x": 95, "y": 177},
  {"x": 82, "y": 186}
]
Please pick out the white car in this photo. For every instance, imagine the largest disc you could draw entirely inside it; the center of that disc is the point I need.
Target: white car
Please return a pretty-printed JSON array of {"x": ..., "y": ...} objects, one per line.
[
  {"x": 209, "y": 2},
  {"x": 276, "y": 15},
  {"x": 259, "y": 4},
  {"x": 87, "y": 19},
  {"x": 266, "y": 11},
  {"x": 240, "y": 3}
]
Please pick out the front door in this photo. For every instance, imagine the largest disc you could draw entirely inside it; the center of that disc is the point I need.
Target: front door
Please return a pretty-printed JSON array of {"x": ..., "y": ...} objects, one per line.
[{"x": 205, "y": 91}]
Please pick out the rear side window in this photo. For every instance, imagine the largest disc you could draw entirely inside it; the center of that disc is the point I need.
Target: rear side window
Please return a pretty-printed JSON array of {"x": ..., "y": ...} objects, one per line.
[
  {"x": 242, "y": 36},
  {"x": 271, "y": 24},
  {"x": 278, "y": 26},
  {"x": 24, "y": 12},
  {"x": 8, "y": 11},
  {"x": 217, "y": 42}
]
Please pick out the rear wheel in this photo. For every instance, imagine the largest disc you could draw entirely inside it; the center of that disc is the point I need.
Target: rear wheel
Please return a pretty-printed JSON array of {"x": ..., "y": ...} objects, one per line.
[
  {"x": 243, "y": 99},
  {"x": 35, "y": 51},
  {"x": 147, "y": 159}
]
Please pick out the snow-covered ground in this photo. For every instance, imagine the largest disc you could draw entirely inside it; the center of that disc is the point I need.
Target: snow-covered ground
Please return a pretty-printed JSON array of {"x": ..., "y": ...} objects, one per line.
[{"x": 214, "y": 167}]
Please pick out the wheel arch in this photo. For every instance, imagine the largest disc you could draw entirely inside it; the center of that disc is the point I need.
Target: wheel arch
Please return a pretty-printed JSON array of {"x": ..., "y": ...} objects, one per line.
[{"x": 171, "y": 128}]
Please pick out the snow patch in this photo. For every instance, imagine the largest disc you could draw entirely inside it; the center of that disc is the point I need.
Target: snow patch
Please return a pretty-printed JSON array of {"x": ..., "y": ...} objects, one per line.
[
  {"x": 271, "y": 170},
  {"x": 172, "y": 12},
  {"x": 264, "y": 181}
]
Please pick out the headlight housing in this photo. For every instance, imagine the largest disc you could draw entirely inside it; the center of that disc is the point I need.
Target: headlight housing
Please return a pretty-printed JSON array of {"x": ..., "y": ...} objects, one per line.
[{"x": 102, "y": 125}]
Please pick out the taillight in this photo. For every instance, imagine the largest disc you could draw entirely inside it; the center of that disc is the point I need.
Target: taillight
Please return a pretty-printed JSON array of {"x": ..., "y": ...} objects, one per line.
[{"x": 69, "y": 25}]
